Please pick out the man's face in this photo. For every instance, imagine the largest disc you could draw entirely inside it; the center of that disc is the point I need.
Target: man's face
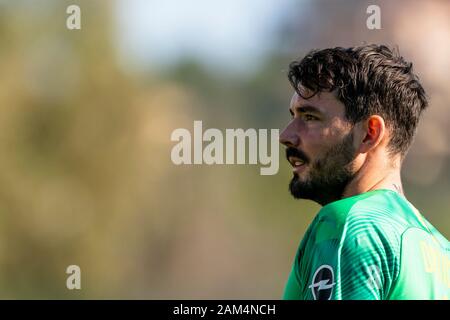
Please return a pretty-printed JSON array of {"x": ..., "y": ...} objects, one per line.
[{"x": 320, "y": 148}]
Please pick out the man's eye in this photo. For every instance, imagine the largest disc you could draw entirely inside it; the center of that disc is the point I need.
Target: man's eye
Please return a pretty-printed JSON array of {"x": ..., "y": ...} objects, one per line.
[{"x": 309, "y": 117}]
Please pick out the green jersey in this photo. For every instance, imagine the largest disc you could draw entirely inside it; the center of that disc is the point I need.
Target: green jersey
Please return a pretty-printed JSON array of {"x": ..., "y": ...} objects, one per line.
[{"x": 374, "y": 245}]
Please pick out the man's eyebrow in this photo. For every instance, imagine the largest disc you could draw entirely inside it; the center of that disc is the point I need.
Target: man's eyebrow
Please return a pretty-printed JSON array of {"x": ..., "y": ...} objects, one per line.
[{"x": 308, "y": 108}]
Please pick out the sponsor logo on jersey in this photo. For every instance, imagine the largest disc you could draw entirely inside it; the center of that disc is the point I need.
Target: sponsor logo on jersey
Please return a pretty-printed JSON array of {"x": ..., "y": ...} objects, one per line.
[{"x": 323, "y": 283}]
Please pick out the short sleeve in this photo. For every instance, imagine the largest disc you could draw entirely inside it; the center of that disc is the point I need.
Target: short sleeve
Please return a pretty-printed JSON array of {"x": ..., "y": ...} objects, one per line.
[{"x": 368, "y": 260}]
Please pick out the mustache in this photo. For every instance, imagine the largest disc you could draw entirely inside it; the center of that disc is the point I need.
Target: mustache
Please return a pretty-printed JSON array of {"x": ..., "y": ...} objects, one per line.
[{"x": 294, "y": 152}]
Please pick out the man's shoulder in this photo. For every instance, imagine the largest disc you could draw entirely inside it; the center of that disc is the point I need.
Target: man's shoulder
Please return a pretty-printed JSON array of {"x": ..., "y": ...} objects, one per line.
[
  {"x": 375, "y": 212},
  {"x": 383, "y": 210}
]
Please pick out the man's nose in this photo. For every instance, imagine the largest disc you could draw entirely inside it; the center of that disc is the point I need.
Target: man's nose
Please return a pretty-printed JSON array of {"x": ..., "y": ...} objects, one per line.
[{"x": 289, "y": 137}]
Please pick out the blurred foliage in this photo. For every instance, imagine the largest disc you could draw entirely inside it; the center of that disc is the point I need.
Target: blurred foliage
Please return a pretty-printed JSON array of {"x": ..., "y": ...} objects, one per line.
[{"x": 86, "y": 176}]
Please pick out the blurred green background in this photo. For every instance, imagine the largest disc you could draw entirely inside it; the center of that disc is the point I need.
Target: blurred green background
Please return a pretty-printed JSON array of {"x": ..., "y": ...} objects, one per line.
[{"x": 86, "y": 116}]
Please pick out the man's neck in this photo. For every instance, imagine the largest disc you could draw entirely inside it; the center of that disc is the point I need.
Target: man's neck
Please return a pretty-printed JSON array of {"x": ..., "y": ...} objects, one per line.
[{"x": 373, "y": 175}]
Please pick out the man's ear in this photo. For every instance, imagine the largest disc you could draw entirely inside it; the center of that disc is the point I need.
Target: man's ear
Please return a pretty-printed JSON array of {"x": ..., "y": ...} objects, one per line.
[{"x": 372, "y": 131}]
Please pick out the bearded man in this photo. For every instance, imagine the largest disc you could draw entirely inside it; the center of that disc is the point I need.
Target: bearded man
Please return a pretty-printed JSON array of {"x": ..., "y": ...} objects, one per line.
[{"x": 354, "y": 115}]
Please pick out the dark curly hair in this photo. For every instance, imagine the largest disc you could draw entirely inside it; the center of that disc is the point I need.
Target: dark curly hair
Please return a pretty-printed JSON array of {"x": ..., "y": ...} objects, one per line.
[{"x": 369, "y": 79}]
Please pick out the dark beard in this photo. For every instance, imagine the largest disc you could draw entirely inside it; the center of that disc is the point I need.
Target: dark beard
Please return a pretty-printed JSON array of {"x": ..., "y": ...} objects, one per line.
[{"x": 328, "y": 176}]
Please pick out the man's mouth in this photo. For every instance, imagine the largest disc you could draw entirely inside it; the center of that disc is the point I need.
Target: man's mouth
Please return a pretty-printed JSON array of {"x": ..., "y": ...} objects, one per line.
[{"x": 296, "y": 163}]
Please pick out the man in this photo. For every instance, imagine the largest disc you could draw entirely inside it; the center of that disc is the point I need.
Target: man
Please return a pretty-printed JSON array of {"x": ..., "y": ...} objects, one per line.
[{"x": 354, "y": 116}]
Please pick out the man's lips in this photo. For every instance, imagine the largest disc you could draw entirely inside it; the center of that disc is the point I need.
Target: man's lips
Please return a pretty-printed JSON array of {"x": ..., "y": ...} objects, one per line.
[
  {"x": 297, "y": 159},
  {"x": 297, "y": 164}
]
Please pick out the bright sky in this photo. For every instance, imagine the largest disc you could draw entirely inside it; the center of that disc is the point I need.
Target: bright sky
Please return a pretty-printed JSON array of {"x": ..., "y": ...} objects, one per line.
[{"x": 160, "y": 32}]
